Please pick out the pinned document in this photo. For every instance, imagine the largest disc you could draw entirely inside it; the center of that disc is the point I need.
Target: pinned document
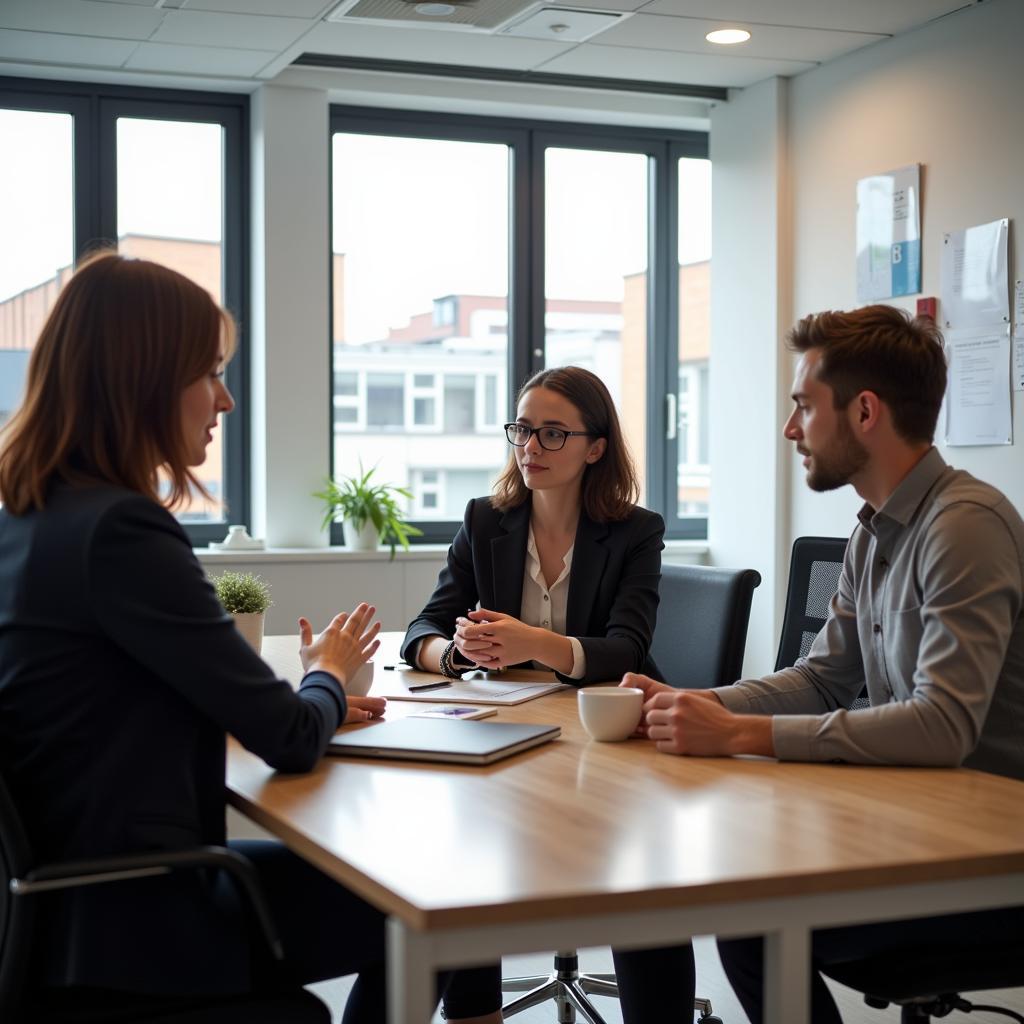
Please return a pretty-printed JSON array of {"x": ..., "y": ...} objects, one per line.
[
  {"x": 889, "y": 234},
  {"x": 978, "y": 395}
]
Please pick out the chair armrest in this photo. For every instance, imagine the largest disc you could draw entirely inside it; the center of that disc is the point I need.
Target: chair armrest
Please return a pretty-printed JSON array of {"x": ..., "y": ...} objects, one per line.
[{"x": 75, "y": 874}]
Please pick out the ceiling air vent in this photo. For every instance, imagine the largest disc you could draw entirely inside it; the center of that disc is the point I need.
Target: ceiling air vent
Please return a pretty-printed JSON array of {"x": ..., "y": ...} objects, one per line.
[{"x": 474, "y": 15}]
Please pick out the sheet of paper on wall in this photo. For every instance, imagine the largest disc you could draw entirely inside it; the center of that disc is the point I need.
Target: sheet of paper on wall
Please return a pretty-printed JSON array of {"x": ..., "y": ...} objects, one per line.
[
  {"x": 889, "y": 234},
  {"x": 978, "y": 394},
  {"x": 975, "y": 280},
  {"x": 1018, "y": 336}
]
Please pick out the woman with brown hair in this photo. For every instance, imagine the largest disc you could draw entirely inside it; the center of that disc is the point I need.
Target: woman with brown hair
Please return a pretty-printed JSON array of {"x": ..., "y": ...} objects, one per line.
[
  {"x": 562, "y": 562},
  {"x": 559, "y": 568},
  {"x": 121, "y": 674}
]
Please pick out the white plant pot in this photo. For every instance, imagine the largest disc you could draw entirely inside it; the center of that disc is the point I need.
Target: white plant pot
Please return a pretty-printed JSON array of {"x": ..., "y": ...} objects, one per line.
[
  {"x": 250, "y": 625},
  {"x": 366, "y": 539}
]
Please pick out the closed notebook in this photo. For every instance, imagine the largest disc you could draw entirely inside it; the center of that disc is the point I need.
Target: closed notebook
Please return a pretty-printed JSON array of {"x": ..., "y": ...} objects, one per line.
[{"x": 426, "y": 739}]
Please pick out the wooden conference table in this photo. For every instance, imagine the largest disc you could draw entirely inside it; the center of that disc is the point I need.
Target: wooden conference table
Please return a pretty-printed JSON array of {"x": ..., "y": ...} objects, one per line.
[{"x": 578, "y": 843}]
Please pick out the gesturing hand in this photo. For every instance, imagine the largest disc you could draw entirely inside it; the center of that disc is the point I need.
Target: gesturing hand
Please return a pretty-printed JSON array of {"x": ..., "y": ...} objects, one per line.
[
  {"x": 494, "y": 639},
  {"x": 346, "y": 643}
]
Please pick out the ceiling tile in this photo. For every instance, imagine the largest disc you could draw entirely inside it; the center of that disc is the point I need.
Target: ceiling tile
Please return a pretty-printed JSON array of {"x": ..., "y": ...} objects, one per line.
[
  {"x": 875, "y": 16},
  {"x": 52, "y": 48},
  {"x": 235, "y": 31},
  {"x": 199, "y": 60},
  {"x": 291, "y": 8},
  {"x": 599, "y": 5},
  {"x": 662, "y": 66},
  {"x": 80, "y": 17},
  {"x": 431, "y": 45},
  {"x": 658, "y": 32}
]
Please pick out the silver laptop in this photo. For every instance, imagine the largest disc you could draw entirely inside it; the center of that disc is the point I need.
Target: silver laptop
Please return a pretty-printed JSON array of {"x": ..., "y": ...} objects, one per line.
[{"x": 426, "y": 739}]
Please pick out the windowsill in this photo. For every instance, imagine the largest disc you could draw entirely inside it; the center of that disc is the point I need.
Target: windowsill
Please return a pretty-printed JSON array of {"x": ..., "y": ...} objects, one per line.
[{"x": 416, "y": 553}]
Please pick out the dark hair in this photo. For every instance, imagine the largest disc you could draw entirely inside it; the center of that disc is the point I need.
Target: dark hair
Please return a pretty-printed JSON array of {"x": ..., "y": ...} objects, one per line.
[
  {"x": 103, "y": 395},
  {"x": 885, "y": 350},
  {"x": 610, "y": 486}
]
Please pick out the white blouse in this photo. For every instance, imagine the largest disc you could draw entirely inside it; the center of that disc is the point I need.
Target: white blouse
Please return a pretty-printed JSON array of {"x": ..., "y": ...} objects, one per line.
[
  {"x": 542, "y": 606},
  {"x": 545, "y": 606}
]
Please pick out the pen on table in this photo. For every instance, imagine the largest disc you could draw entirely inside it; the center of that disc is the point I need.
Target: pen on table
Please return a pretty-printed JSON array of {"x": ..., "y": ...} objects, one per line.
[{"x": 419, "y": 687}]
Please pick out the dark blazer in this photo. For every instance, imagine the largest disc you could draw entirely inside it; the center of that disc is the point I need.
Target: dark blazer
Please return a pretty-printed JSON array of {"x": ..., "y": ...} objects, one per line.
[
  {"x": 119, "y": 676},
  {"x": 613, "y": 586}
]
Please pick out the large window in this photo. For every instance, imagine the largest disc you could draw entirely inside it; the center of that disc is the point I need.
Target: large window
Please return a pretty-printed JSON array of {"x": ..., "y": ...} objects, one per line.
[
  {"x": 468, "y": 253},
  {"x": 162, "y": 175},
  {"x": 420, "y": 281},
  {"x": 37, "y": 219}
]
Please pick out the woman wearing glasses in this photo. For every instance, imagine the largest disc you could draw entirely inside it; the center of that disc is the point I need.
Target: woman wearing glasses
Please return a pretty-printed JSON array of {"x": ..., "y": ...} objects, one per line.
[{"x": 559, "y": 568}]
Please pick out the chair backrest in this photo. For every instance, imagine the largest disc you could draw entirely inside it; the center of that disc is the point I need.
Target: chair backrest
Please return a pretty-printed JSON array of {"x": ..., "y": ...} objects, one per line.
[
  {"x": 814, "y": 570},
  {"x": 15, "y": 913},
  {"x": 701, "y": 631}
]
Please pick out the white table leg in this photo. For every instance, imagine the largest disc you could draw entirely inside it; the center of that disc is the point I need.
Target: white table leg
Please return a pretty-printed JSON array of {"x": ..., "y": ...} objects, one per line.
[
  {"x": 787, "y": 978},
  {"x": 410, "y": 975}
]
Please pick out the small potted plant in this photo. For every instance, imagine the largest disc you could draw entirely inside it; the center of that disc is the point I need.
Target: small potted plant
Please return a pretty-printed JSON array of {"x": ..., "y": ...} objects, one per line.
[
  {"x": 246, "y": 597},
  {"x": 368, "y": 512}
]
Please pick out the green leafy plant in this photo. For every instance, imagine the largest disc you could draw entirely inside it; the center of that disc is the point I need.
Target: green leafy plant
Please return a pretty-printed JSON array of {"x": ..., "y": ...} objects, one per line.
[
  {"x": 242, "y": 592},
  {"x": 357, "y": 500}
]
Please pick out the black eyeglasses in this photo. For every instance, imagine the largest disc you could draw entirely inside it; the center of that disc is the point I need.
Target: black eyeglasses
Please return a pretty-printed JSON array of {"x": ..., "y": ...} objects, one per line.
[{"x": 551, "y": 438}]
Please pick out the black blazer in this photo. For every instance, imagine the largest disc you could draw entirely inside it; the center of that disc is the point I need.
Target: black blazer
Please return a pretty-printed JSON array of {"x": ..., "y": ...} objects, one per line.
[
  {"x": 119, "y": 676},
  {"x": 613, "y": 586}
]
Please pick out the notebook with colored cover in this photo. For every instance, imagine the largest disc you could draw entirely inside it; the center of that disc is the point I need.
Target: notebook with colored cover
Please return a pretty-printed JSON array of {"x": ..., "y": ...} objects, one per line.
[{"x": 427, "y": 739}]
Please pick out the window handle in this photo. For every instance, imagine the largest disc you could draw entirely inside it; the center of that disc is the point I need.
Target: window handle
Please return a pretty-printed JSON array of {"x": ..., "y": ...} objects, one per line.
[{"x": 671, "y": 417}]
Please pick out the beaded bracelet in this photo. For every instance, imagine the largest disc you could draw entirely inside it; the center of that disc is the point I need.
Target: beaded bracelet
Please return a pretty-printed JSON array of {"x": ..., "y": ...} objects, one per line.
[{"x": 448, "y": 668}]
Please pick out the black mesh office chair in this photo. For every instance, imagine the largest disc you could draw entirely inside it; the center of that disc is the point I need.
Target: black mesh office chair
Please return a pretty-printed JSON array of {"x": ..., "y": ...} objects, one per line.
[
  {"x": 698, "y": 642},
  {"x": 814, "y": 569},
  {"x": 20, "y": 882}
]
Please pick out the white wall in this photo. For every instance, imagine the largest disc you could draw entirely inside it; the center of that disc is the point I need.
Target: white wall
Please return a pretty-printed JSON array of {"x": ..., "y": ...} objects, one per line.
[
  {"x": 749, "y": 309},
  {"x": 290, "y": 334},
  {"x": 947, "y": 96}
]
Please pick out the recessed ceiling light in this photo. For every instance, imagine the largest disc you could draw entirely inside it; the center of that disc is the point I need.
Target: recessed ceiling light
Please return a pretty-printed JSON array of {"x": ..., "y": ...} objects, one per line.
[
  {"x": 728, "y": 36},
  {"x": 434, "y": 10}
]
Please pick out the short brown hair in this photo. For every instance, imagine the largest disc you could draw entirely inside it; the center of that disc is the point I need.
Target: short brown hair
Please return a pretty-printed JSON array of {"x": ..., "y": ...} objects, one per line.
[
  {"x": 885, "y": 350},
  {"x": 102, "y": 398},
  {"x": 610, "y": 486}
]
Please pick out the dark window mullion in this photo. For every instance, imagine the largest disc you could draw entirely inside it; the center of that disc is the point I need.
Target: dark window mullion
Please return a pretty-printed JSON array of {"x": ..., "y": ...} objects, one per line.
[
  {"x": 662, "y": 297},
  {"x": 524, "y": 239}
]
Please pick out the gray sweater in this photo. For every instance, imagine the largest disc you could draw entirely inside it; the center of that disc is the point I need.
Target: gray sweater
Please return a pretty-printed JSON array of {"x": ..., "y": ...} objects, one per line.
[{"x": 929, "y": 616}]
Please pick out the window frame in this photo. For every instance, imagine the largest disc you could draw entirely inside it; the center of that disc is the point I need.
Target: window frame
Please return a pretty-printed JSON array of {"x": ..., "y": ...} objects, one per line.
[
  {"x": 95, "y": 109},
  {"x": 527, "y": 141}
]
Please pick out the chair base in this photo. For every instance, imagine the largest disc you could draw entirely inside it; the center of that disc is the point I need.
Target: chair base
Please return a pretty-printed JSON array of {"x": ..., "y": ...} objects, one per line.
[{"x": 569, "y": 990}]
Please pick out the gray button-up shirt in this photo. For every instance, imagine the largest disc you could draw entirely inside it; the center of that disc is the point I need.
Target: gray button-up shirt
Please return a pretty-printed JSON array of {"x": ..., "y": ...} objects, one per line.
[{"x": 929, "y": 616}]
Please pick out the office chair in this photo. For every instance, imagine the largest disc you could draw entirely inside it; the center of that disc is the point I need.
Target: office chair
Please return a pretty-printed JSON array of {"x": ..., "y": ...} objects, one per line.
[
  {"x": 698, "y": 642},
  {"x": 925, "y": 983},
  {"x": 20, "y": 882},
  {"x": 814, "y": 569}
]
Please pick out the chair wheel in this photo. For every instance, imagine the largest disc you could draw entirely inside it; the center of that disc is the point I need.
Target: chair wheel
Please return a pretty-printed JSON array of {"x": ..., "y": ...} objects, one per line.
[{"x": 709, "y": 1020}]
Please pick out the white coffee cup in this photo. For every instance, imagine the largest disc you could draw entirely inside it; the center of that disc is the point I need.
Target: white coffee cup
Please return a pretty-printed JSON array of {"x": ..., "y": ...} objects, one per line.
[
  {"x": 361, "y": 681},
  {"x": 610, "y": 712}
]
